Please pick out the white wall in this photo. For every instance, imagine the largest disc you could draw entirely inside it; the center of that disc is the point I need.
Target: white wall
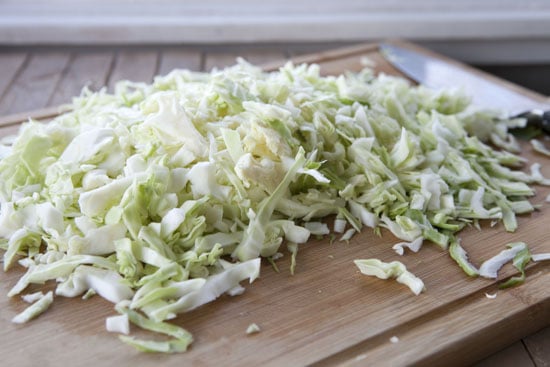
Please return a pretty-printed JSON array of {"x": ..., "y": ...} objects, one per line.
[{"x": 498, "y": 30}]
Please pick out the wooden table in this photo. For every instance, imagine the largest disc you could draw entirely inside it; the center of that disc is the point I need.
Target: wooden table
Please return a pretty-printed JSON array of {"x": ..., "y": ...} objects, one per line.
[{"x": 34, "y": 78}]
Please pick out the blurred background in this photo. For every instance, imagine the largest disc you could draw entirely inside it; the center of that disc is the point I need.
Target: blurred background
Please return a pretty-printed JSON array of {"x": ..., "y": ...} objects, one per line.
[{"x": 510, "y": 38}]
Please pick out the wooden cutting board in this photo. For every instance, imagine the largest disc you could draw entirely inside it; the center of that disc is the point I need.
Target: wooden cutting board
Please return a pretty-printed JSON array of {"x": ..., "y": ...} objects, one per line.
[{"x": 327, "y": 313}]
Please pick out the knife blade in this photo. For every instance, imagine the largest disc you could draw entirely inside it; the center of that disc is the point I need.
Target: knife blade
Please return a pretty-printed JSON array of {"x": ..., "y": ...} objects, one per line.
[{"x": 438, "y": 74}]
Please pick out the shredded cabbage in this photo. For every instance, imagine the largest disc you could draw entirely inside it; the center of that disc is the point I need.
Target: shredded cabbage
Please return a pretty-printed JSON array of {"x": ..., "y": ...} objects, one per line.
[
  {"x": 519, "y": 261},
  {"x": 32, "y": 297},
  {"x": 459, "y": 255},
  {"x": 490, "y": 267},
  {"x": 539, "y": 147},
  {"x": 34, "y": 309},
  {"x": 118, "y": 324},
  {"x": 253, "y": 329},
  {"x": 541, "y": 257},
  {"x": 394, "y": 269},
  {"x": 162, "y": 197}
]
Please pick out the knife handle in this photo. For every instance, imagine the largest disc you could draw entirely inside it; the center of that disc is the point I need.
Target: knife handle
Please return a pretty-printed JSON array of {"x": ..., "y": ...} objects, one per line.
[{"x": 538, "y": 119}]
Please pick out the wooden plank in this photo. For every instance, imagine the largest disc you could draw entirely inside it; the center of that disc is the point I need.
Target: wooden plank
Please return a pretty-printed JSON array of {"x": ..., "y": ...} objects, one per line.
[
  {"x": 134, "y": 65},
  {"x": 512, "y": 356},
  {"x": 333, "y": 61},
  {"x": 538, "y": 345},
  {"x": 222, "y": 59},
  {"x": 35, "y": 84},
  {"x": 87, "y": 69},
  {"x": 41, "y": 114},
  {"x": 10, "y": 64},
  {"x": 9, "y": 130},
  {"x": 327, "y": 314},
  {"x": 171, "y": 59},
  {"x": 295, "y": 50}
]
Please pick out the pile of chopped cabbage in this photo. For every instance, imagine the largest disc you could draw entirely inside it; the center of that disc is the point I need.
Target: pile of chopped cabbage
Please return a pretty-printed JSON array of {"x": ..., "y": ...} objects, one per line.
[{"x": 162, "y": 197}]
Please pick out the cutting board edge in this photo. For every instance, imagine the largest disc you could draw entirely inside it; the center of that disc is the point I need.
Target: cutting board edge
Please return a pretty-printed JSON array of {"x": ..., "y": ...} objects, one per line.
[{"x": 520, "y": 322}]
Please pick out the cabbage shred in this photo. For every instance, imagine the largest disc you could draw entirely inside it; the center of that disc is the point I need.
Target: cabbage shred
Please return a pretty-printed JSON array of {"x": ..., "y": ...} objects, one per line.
[{"x": 161, "y": 197}]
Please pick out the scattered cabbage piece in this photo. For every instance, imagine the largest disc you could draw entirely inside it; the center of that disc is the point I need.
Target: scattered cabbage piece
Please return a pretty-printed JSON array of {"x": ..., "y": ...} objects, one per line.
[
  {"x": 537, "y": 176},
  {"x": 538, "y": 146},
  {"x": 293, "y": 249},
  {"x": 520, "y": 260},
  {"x": 35, "y": 309},
  {"x": 348, "y": 235},
  {"x": 414, "y": 246},
  {"x": 461, "y": 257},
  {"x": 118, "y": 324},
  {"x": 490, "y": 267},
  {"x": 541, "y": 257},
  {"x": 394, "y": 269},
  {"x": 317, "y": 228},
  {"x": 32, "y": 297},
  {"x": 253, "y": 329},
  {"x": 181, "y": 338}
]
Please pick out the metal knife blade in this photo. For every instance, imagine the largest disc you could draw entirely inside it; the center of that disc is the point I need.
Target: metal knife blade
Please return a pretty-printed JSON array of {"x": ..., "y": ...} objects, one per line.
[{"x": 439, "y": 74}]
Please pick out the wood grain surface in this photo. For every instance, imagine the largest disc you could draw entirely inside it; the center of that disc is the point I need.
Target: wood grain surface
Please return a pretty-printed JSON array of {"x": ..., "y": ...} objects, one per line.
[
  {"x": 327, "y": 313},
  {"x": 89, "y": 69},
  {"x": 36, "y": 83},
  {"x": 135, "y": 65}
]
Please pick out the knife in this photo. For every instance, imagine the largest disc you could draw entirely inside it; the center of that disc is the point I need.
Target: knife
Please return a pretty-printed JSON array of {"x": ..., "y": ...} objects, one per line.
[{"x": 437, "y": 74}]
